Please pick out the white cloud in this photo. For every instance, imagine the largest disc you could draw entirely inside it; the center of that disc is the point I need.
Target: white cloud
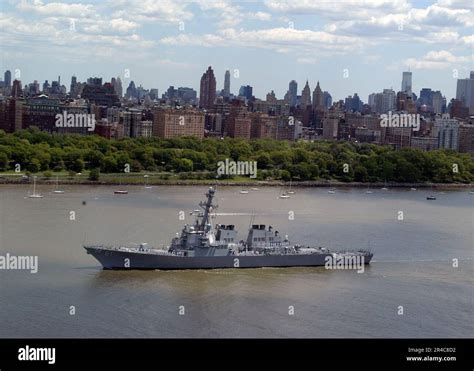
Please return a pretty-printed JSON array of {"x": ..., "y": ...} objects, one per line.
[
  {"x": 274, "y": 38},
  {"x": 435, "y": 60},
  {"x": 348, "y": 9},
  {"x": 75, "y": 10},
  {"x": 146, "y": 11},
  {"x": 261, "y": 16}
]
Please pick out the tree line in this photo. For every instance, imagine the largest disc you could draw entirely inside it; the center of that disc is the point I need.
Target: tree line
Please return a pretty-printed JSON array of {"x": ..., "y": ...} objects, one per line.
[{"x": 37, "y": 151}]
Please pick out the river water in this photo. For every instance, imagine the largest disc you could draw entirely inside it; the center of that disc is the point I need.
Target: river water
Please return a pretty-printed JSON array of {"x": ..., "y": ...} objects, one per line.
[{"x": 413, "y": 287}]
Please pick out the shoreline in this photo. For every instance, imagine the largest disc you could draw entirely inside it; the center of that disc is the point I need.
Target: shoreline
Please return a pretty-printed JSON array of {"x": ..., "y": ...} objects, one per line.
[{"x": 229, "y": 183}]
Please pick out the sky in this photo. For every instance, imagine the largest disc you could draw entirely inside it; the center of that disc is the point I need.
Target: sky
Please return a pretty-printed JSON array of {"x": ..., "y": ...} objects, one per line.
[{"x": 349, "y": 46}]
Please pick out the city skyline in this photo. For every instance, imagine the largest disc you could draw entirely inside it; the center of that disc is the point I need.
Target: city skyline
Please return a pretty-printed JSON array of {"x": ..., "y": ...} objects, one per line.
[{"x": 262, "y": 44}]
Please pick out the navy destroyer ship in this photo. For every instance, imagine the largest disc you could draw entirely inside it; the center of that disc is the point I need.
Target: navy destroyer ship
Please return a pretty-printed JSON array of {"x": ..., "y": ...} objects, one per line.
[{"x": 203, "y": 246}]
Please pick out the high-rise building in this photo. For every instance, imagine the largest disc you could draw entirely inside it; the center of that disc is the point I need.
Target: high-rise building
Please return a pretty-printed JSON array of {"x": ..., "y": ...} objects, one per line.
[
  {"x": 174, "y": 123},
  {"x": 327, "y": 99},
  {"x": 103, "y": 95},
  {"x": 239, "y": 122},
  {"x": 8, "y": 78},
  {"x": 72, "y": 89},
  {"x": 447, "y": 132},
  {"x": 117, "y": 84},
  {"x": 426, "y": 97},
  {"x": 131, "y": 119},
  {"x": 187, "y": 95},
  {"x": 438, "y": 102},
  {"x": 388, "y": 100},
  {"x": 318, "y": 97},
  {"x": 131, "y": 90},
  {"x": 207, "y": 91},
  {"x": 465, "y": 92},
  {"x": 227, "y": 84},
  {"x": 246, "y": 91},
  {"x": 16, "y": 89},
  {"x": 271, "y": 98},
  {"x": 293, "y": 92},
  {"x": 306, "y": 96},
  {"x": 458, "y": 110},
  {"x": 406, "y": 82}
]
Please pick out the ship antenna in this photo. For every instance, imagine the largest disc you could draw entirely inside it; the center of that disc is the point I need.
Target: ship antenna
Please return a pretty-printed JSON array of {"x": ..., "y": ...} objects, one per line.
[
  {"x": 207, "y": 207},
  {"x": 252, "y": 218}
]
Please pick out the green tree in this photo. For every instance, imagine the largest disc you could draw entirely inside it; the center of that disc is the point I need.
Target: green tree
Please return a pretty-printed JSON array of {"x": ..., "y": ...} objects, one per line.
[
  {"x": 34, "y": 166},
  {"x": 94, "y": 174},
  {"x": 3, "y": 161}
]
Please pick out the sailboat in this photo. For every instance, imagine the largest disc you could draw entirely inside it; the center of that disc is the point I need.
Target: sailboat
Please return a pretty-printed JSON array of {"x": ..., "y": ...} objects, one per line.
[
  {"x": 57, "y": 190},
  {"x": 431, "y": 197},
  {"x": 146, "y": 176},
  {"x": 34, "y": 194},
  {"x": 332, "y": 191},
  {"x": 284, "y": 194},
  {"x": 385, "y": 188},
  {"x": 368, "y": 191},
  {"x": 290, "y": 192},
  {"x": 120, "y": 191}
]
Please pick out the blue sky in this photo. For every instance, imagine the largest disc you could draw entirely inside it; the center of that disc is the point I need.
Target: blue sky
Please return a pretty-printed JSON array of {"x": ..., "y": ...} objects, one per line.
[{"x": 268, "y": 43}]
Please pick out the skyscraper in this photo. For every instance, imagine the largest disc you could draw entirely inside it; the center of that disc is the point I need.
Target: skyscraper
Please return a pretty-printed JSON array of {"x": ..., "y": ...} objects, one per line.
[
  {"x": 227, "y": 84},
  {"x": 306, "y": 96},
  {"x": 293, "y": 90},
  {"x": 16, "y": 89},
  {"x": 406, "y": 82},
  {"x": 8, "y": 78},
  {"x": 73, "y": 86},
  {"x": 388, "y": 100},
  {"x": 118, "y": 87},
  {"x": 318, "y": 98},
  {"x": 246, "y": 91},
  {"x": 207, "y": 91},
  {"x": 327, "y": 99},
  {"x": 465, "y": 92}
]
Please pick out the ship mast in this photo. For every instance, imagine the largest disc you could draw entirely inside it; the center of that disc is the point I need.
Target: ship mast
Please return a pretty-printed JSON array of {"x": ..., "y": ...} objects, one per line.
[{"x": 207, "y": 207}]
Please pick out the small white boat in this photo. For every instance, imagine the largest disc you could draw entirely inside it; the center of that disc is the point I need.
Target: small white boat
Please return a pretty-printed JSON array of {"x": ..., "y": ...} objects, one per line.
[
  {"x": 284, "y": 195},
  {"x": 254, "y": 189},
  {"x": 34, "y": 194},
  {"x": 290, "y": 192},
  {"x": 146, "y": 176},
  {"x": 471, "y": 192},
  {"x": 57, "y": 190},
  {"x": 412, "y": 189},
  {"x": 431, "y": 198},
  {"x": 243, "y": 192},
  {"x": 332, "y": 191},
  {"x": 120, "y": 191}
]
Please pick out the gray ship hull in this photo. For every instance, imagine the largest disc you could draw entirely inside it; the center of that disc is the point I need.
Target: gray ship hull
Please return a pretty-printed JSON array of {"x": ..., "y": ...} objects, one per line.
[{"x": 116, "y": 259}]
